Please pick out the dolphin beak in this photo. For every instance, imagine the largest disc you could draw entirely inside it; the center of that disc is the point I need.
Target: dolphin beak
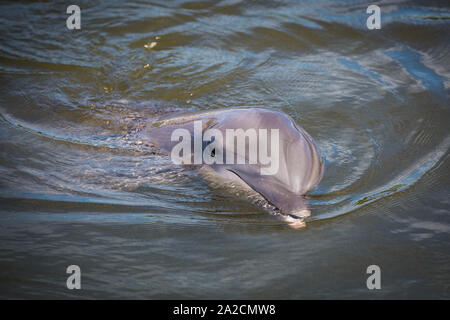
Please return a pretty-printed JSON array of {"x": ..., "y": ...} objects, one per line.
[{"x": 289, "y": 203}]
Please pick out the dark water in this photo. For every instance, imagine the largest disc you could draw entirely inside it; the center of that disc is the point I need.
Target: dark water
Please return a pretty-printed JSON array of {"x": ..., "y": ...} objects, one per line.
[{"x": 75, "y": 188}]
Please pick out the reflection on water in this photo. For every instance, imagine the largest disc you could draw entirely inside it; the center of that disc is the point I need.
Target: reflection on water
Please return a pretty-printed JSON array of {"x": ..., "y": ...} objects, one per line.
[{"x": 78, "y": 186}]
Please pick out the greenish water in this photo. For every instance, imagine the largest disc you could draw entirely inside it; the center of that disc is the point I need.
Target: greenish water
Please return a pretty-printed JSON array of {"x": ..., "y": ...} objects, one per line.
[{"x": 75, "y": 188}]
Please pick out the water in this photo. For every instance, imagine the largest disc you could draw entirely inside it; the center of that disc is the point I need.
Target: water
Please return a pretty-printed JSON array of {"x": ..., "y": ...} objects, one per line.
[{"x": 77, "y": 188}]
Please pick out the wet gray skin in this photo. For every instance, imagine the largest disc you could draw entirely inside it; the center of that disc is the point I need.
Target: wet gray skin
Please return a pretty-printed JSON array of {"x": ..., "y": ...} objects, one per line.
[{"x": 301, "y": 166}]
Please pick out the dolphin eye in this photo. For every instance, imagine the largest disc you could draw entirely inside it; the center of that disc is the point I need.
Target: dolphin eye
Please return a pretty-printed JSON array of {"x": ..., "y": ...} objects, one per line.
[{"x": 213, "y": 151}]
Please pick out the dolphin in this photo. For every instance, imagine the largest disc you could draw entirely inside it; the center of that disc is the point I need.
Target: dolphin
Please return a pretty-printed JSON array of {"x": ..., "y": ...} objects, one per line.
[{"x": 300, "y": 164}]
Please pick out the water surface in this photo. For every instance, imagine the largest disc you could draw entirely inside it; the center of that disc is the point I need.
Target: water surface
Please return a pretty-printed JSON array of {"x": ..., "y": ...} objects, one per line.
[{"x": 76, "y": 187}]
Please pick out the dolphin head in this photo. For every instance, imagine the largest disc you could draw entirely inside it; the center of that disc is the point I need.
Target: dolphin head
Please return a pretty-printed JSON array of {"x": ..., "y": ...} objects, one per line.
[
  {"x": 299, "y": 164},
  {"x": 287, "y": 166}
]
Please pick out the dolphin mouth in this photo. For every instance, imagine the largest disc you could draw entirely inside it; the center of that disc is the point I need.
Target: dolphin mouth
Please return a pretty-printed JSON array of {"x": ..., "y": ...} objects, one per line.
[
  {"x": 293, "y": 221},
  {"x": 296, "y": 220},
  {"x": 302, "y": 214}
]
